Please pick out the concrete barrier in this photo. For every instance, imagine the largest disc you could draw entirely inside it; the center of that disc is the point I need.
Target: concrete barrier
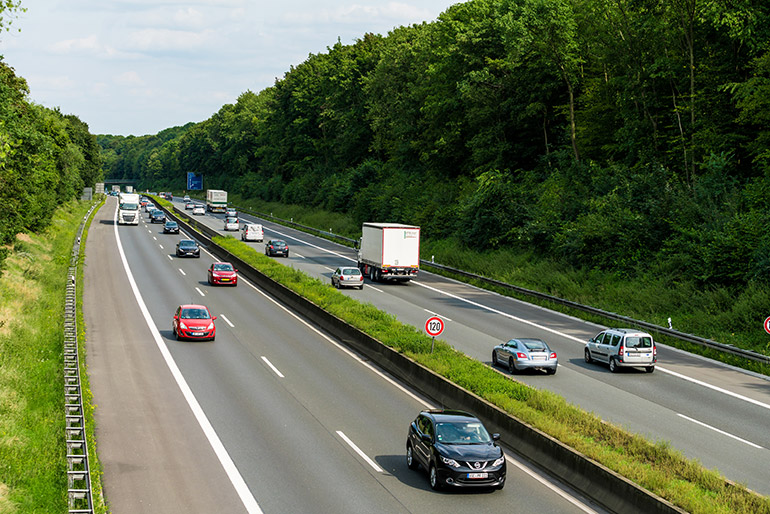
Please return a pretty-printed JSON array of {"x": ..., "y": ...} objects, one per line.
[{"x": 609, "y": 489}]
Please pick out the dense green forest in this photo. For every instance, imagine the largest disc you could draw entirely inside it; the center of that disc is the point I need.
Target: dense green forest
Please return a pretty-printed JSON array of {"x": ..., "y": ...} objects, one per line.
[
  {"x": 621, "y": 135},
  {"x": 46, "y": 158}
]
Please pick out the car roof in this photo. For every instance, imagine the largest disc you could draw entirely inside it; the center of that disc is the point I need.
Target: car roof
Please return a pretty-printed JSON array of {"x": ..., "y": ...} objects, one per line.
[
  {"x": 449, "y": 415},
  {"x": 222, "y": 262},
  {"x": 630, "y": 331},
  {"x": 193, "y": 306}
]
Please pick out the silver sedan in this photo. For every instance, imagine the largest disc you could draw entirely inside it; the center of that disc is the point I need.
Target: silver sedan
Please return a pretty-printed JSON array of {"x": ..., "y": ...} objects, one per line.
[{"x": 522, "y": 354}]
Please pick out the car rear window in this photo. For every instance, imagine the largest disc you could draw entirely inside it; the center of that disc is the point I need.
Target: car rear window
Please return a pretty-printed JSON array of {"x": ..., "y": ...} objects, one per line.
[
  {"x": 353, "y": 271},
  {"x": 638, "y": 342},
  {"x": 535, "y": 345}
]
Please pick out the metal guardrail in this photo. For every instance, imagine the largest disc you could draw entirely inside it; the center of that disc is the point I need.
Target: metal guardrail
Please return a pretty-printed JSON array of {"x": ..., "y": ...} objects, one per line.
[
  {"x": 676, "y": 334},
  {"x": 79, "y": 491}
]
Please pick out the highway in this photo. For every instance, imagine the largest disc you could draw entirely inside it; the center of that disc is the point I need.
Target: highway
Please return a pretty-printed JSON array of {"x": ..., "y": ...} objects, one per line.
[
  {"x": 711, "y": 412},
  {"x": 273, "y": 416}
]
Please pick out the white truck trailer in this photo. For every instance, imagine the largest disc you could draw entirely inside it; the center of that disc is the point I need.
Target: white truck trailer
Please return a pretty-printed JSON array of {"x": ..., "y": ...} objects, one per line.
[
  {"x": 128, "y": 209},
  {"x": 389, "y": 251},
  {"x": 216, "y": 200}
]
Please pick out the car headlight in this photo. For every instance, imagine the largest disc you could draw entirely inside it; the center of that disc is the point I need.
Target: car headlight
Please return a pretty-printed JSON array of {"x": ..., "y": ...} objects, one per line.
[
  {"x": 211, "y": 326},
  {"x": 499, "y": 462},
  {"x": 182, "y": 325},
  {"x": 450, "y": 462}
]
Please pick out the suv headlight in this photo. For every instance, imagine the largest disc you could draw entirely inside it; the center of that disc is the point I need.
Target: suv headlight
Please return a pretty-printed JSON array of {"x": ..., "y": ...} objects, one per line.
[
  {"x": 499, "y": 462},
  {"x": 450, "y": 462}
]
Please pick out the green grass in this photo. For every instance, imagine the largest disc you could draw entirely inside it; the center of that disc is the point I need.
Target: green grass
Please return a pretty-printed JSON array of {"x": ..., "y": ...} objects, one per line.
[
  {"x": 32, "y": 290},
  {"x": 654, "y": 465}
]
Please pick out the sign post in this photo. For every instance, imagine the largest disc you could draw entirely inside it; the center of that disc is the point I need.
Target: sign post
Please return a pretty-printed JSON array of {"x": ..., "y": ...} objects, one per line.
[{"x": 434, "y": 326}]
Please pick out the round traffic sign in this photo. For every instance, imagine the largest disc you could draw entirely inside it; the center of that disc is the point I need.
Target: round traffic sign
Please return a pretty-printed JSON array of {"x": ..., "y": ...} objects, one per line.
[
  {"x": 767, "y": 324},
  {"x": 434, "y": 326}
]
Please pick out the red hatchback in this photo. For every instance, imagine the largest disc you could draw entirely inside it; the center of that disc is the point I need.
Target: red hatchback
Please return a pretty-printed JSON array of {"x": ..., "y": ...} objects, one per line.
[
  {"x": 223, "y": 273},
  {"x": 193, "y": 322}
]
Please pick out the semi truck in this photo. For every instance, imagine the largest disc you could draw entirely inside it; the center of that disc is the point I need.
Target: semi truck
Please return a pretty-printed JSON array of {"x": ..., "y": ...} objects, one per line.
[
  {"x": 216, "y": 200},
  {"x": 128, "y": 209},
  {"x": 389, "y": 251}
]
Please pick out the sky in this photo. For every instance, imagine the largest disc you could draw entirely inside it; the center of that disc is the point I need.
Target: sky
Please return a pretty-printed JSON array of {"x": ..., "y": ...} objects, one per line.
[{"x": 136, "y": 67}]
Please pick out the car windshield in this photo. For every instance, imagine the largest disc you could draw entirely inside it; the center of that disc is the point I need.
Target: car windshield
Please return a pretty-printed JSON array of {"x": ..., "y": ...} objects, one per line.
[
  {"x": 223, "y": 267},
  {"x": 129, "y": 206},
  {"x": 462, "y": 432},
  {"x": 195, "y": 314},
  {"x": 171, "y": 224},
  {"x": 535, "y": 345},
  {"x": 638, "y": 342},
  {"x": 351, "y": 271},
  {"x": 187, "y": 244}
]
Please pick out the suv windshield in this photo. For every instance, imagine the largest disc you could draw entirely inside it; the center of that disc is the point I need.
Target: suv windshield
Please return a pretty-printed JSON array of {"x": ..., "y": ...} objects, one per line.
[{"x": 462, "y": 432}]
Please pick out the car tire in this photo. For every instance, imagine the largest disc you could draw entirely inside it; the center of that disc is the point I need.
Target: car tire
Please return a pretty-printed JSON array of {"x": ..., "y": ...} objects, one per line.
[
  {"x": 337, "y": 285},
  {"x": 587, "y": 355},
  {"x": 649, "y": 369},
  {"x": 176, "y": 335},
  {"x": 551, "y": 371},
  {"x": 435, "y": 483},
  {"x": 361, "y": 287},
  {"x": 494, "y": 358},
  {"x": 511, "y": 366},
  {"x": 411, "y": 463},
  {"x": 613, "y": 365}
]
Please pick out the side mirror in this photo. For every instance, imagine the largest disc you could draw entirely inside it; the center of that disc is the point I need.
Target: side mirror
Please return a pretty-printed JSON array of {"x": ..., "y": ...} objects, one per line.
[
  {"x": 213, "y": 318},
  {"x": 495, "y": 437},
  {"x": 236, "y": 271}
]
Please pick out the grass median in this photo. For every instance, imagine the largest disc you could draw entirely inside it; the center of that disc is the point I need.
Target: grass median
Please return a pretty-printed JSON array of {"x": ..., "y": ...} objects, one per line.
[{"x": 653, "y": 465}]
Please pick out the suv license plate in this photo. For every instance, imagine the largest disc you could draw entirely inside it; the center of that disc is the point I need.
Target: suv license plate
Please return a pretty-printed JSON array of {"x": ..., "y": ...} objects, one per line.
[{"x": 477, "y": 475}]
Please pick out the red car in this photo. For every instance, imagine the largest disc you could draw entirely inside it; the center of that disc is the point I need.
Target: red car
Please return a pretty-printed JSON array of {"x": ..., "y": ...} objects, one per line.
[
  {"x": 193, "y": 322},
  {"x": 223, "y": 273}
]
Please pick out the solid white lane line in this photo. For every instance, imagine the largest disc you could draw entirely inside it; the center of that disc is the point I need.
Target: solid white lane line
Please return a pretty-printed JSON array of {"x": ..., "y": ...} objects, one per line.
[
  {"x": 275, "y": 370},
  {"x": 719, "y": 431},
  {"x": 359, "y": 452},
  {"x": 376, "y": 288},
  {"x": 182, "y": 272},
  {"x": 248, "y": 500},
  {"x": 226, "y": 320},
  {"x": 437, "y": 314},
  {"x": 714, "y": 388},
  {"x": 200, "y": 292},
  {"x": 328, "y": 269},
  {"x": 298, "y": 255}
]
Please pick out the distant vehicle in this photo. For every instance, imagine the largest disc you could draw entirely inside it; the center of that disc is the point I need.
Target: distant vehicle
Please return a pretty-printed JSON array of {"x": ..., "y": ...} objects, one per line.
[
  {"x": 199, "y": 210},
  {"x": 252, "y": 232},
  {"x": 130, "y": 189},
  {"x": 216, "y": 200},
  {"x": 522, "y": 354},
  {"x": 347, "y": 276},
  {"x": 187, "y": 248},
  {"x": 456, "y": 450},
  {"x": 231, "y": 223},
  {"x": 143, "y": 201},
  {"x": 157, "y": 216},
  {"x": 231, "y": 212},
  {"x": 128, "y": 209},
  {"x": 623, "y": 348},
  {"x": 186, "y": 199},
  {"x": 223, "y": 273},
  {"x": 149, "y": 207},
  {"x": 189, "y": 206},
  {"x": 193, "y": 322},
  {"x": 389, "y": 251},
  {"x": 171, "y": 227},
  {"x": 276, "y": 247}
]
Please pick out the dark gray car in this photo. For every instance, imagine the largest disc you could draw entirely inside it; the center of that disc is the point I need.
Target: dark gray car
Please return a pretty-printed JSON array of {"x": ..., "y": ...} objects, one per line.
[{"x": 187, "y": 248}]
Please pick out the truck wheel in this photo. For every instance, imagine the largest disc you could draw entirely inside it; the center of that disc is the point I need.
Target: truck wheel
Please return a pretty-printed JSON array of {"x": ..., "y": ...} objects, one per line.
[{"x": 372, "y": 275}]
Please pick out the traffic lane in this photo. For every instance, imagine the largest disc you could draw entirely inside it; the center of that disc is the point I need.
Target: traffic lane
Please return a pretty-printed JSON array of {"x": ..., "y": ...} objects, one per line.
[
  {"x": 153, "y": 453},
  {"x": 328, "y": 403}
]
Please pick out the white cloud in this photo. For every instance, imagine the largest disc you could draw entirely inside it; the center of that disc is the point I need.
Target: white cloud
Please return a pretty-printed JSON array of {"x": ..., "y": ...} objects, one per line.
[
  {"x": 129, "y": 78},
  {"x": 159, "y": 40},
  {"x": 89, "y": 44}
]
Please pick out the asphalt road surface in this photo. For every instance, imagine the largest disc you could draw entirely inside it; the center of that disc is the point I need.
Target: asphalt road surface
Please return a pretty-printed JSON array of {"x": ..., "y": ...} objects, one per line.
[{"x": 273, "y": 416}]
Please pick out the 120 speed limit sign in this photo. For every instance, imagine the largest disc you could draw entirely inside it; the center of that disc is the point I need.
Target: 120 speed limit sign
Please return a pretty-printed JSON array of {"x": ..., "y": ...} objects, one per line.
[{"x": 434, "y": 326}]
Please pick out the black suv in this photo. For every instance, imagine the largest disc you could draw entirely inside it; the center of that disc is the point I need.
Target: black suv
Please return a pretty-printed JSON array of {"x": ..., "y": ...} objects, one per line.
[{"x": 456, "y": 450}]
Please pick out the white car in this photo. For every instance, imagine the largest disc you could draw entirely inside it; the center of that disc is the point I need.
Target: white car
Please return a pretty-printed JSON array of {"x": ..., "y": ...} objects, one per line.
[
  {"x": 623, "y": 348},
  {"x": 231, "y": 223},
  {"x": 252, "y": 232},
  {"x": 189, "y": 206},
  {"x": 198, "y": 209},
  {"x": 231, "y": 212}
]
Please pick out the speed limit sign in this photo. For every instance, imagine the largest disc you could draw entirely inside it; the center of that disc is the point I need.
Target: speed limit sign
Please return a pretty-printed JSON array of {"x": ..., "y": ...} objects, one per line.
[
  {"x": 434, "y": 326},
  {"x": 767, "y": 325}
]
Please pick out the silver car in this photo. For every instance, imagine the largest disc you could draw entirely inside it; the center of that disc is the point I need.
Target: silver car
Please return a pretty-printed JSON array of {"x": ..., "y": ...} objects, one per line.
[
  {"x": 623, "y": 348},
  {"x": 522, "y": 354},
  {"x": 199, "y": 210},
  {"x": 347, "y": 277}
]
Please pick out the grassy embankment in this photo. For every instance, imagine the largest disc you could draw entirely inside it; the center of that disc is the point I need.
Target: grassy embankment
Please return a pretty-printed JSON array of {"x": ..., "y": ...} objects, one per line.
[
  {"x": 655, "y": 466},
  {"x": 33, "y": 467},
  {"x": 724, "y": 315}
]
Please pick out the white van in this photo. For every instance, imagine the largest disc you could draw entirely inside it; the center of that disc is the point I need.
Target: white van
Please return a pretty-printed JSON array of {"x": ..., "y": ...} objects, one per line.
[{"x": 252, "y": 232}]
